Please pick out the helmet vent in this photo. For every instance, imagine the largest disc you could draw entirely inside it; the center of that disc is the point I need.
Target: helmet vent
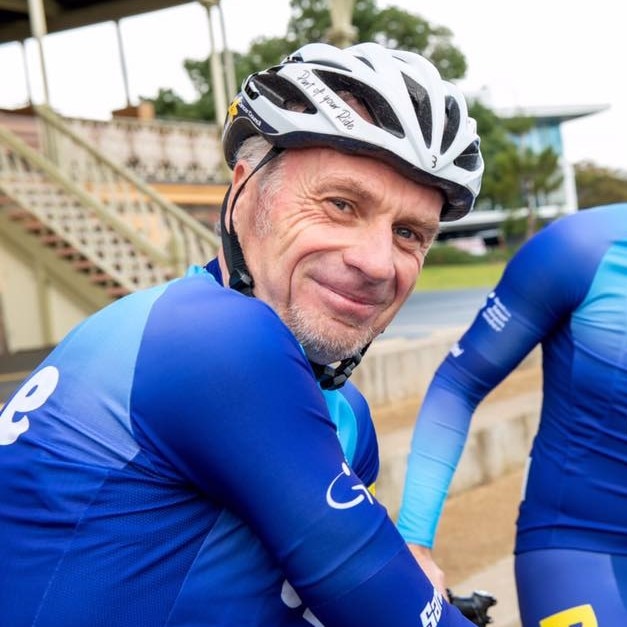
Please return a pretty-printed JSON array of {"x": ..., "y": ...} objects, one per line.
[
  {"x": 422, "y": 107},
  {"x": 365, "y": 61},
  {"x": 453, "y": 117},
  {"x": 378, "y": 108},
  {"x": 281, "y": 93},
  {"x": 330, "y": 64},
  {"x": 470, "y": 159}
]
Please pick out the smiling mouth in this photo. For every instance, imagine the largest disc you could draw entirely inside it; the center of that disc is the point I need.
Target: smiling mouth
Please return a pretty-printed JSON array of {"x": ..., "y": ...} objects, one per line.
[{"x": 357, "y": 307}]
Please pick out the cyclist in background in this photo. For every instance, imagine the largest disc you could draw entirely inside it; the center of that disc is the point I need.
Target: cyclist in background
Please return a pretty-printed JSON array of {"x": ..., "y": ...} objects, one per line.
[
  {"x": 565, "y": 289},
  {"x": 193, "y": 455}
]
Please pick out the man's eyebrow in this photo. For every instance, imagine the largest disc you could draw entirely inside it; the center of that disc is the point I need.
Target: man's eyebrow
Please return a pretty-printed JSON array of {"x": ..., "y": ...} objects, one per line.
[
  {"x": 428, "y": 228},
  {"x": 346, "y": 184}
]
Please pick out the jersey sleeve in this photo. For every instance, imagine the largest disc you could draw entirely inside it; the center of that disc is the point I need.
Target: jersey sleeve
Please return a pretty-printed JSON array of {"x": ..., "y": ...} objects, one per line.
[
  {"x": 230, "y": 405},
  {"x": 537, "y": 291},
  {"x": 362, "y": 449}
]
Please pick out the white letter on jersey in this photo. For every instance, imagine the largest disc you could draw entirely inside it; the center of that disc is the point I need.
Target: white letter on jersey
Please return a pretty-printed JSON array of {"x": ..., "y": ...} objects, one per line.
[
  {"x": 32, "y": 395},
  {"x": 430, "y": 615},
  {"x": 290, "y": 597}
]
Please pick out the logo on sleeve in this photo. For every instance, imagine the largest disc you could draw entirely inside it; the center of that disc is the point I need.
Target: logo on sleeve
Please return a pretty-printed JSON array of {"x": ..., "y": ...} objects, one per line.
[
  {"x": 32, "y": 395},
  {"x": 344, "y": 492},
  {"x": 495, "y": 313}
]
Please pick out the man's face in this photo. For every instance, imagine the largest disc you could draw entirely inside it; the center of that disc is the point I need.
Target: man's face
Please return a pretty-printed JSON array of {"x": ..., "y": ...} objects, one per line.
[{"x": 337, "y": 248}]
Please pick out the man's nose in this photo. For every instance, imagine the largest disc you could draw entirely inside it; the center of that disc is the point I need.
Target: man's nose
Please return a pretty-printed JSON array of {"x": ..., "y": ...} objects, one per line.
[{"x": 372, "y": 251}]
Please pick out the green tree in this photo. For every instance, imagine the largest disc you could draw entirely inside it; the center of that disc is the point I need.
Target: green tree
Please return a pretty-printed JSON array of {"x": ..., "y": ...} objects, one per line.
[
  {"x": 539, "y": 175},
  {"x": 500, "y": 186},
  {"x": 515, "y": 175},
  {"x": 392, "y": 27},
  {"x": 310, "y": 21},
  {"x": 599, "y": 186}
]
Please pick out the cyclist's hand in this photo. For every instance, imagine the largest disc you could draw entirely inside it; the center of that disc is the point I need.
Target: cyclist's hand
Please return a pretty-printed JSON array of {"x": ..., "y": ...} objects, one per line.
[{"x": 431, "y": 569}]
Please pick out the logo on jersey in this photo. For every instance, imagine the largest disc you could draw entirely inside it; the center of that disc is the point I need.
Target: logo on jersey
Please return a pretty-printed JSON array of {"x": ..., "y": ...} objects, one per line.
[
  {"x": 582, "y": 615},
  {"x": 341, "y": 496},
  {"x": 430, "y": 615},
  {"x": 32, "y": 395},
  {"x": 290, "y": 597},
  {"x": 495, "y": 313}
]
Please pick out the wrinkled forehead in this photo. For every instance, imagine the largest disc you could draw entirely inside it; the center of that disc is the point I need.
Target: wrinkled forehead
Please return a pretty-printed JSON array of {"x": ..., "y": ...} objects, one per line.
[{"x": 374, "y": 181}]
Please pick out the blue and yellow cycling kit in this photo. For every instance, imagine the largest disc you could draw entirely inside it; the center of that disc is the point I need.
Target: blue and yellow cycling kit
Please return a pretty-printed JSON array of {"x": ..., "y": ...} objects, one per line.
[
  {"x": 566, "y": 289},
  {"x": 173, "y": 462}
]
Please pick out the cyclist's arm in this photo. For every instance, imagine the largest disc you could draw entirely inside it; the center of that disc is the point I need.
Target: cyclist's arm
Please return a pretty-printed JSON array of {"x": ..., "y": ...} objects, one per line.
[
  {"x": 529, "y": 302},
  {"x": 250, "y": 430}
]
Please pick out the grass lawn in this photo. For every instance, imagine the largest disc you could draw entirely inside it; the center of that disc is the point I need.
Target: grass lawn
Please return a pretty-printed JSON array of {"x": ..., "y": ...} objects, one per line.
[{"x": 452, "y": 277}]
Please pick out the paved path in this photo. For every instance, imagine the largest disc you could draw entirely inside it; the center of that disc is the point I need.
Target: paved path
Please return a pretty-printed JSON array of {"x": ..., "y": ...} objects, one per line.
[
  {"x": 424, "y": 312},
  {"x": 498, "y": 580}
]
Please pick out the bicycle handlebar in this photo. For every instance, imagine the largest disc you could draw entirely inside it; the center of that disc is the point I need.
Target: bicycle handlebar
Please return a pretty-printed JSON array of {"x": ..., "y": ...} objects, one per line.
[{"x": 474, "y": 607}]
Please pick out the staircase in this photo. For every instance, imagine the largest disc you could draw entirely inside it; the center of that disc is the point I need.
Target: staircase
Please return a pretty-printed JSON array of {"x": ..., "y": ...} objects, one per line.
[{"x": 87, "y": 221}]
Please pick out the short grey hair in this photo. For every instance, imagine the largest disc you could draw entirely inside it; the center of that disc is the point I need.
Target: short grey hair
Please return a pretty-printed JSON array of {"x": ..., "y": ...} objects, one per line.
[{"x": 252, "y": 151}]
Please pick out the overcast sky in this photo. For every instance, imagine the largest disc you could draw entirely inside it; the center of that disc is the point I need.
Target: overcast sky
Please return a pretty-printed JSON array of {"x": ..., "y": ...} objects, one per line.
[{"x": 532, "y": 53}]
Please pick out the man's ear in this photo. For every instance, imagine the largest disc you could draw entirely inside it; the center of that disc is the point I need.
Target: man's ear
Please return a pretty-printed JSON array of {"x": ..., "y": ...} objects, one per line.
[{"x": 241, "y": 172}]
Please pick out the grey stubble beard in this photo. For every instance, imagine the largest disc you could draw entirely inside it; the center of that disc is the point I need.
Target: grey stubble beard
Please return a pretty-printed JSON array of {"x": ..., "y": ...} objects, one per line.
[{"x": 319, "y": 345}]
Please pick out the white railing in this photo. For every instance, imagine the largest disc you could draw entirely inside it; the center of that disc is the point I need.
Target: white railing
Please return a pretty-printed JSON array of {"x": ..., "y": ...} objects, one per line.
[
  {"x": 99, "y": 210},
  {"x": 38, "y": 188},
  {"x": 127, "y": 197},
  {"x": 158, "y": 150}
]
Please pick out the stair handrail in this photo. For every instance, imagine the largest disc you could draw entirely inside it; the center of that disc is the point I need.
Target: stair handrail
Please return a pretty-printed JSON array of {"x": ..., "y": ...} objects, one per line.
[
  {"x": 60, "y": 178},
  {"x": 184, "y": 220}
]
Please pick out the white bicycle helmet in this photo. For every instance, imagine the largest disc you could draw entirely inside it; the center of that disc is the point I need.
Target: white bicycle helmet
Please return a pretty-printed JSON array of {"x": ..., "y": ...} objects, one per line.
[{"x": 420, "y": 123}]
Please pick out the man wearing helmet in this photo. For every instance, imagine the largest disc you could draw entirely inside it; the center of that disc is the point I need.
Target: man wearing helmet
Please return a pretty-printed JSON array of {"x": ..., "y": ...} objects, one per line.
[{"x": 194, "y": 455}]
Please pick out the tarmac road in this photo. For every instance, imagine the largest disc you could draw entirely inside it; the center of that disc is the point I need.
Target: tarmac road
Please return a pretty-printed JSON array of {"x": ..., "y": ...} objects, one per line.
[{"x": 424, "y": 312}]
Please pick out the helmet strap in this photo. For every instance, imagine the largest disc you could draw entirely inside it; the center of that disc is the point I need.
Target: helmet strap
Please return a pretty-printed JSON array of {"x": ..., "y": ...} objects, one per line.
[
  {"x": 240, "y": 278},
  {"x": 332, "y": 378}
]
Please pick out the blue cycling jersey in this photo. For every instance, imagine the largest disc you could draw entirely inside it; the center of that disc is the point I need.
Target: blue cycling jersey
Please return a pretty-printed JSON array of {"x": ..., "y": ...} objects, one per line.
[
  {"x": 174, "y": 463},
  {"x": 566, "y": 289}
]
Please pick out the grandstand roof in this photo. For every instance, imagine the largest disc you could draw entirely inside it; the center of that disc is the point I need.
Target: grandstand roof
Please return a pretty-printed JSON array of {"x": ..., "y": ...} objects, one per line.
[
  {"x": 65, "y": 14},
  {"x": 552, "y": 114}
]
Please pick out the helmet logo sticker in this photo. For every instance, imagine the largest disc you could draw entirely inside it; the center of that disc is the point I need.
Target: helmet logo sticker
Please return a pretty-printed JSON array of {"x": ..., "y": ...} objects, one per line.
[
  {"x": 232, "y": 111},
  {"x": 241, "y": 105},
  {"x": 336, "y": 105}
]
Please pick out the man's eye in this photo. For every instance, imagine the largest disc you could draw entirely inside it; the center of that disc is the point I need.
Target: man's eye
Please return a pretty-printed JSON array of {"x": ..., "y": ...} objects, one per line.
[
  {"x": 406, "y": 233},
  {"x": 340, "y": 204}
]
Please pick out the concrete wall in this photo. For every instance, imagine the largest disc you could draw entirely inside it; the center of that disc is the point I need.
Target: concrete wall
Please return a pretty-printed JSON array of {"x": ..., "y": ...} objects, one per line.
[{"x": 396, "y": 369}]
